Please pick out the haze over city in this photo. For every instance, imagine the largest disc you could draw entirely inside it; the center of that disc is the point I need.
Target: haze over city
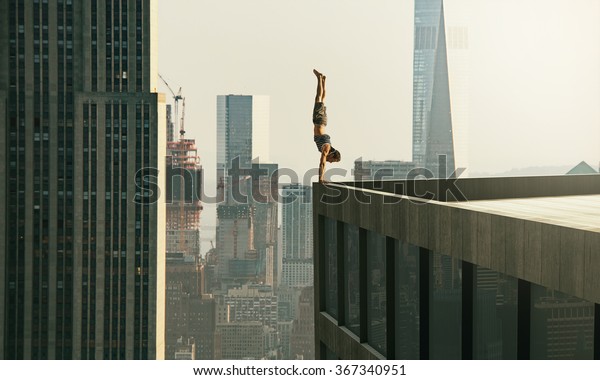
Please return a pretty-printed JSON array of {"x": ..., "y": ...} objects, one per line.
[{"x": 534, "y": 83}]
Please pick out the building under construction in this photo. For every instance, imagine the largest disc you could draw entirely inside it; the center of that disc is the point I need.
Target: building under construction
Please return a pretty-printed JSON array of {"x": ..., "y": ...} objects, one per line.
[{"x": 184, "y": 188}]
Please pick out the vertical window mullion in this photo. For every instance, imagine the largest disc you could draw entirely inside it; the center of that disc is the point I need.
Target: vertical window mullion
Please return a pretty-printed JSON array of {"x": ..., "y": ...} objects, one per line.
[
  {"x": 468, "y": 272},
  {"x": 362, "y": 273},
  {"x": 523, "y": 319},
  {"x": 596, "y": 331},
  {"x": 425, "y": 296},
  {"x": 390, "y": 279},
  {"x": 322, "y": 262},
  {"x": 341, "y": 275}
]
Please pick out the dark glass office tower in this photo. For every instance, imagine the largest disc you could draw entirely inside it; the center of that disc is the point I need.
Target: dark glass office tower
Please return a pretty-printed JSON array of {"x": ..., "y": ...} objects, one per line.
[{"x": 81, "y": 260}]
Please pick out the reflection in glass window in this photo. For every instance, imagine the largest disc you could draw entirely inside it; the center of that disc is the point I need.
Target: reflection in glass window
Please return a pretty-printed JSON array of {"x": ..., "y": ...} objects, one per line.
[
  {"x": 351, "y": 279},
  {"x": 495, "y": 315},
  {"x": 331, "y": 280},
  {"x": 445, "y": 325},
  {"x": 562, "y": 326},
  {"x": 407, "y": 300},
  {"x": 376, "y": 306}
]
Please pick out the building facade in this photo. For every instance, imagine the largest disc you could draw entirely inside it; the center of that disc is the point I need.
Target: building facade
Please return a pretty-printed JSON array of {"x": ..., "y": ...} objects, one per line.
[
  {"x": 201, "y": 322},
  {"x": 241, "y": 340},
  {"x": 296, "y": 210},
  {"x": 302, "y": 340},
  {"x": 298, "y": 273},
  {"x": 252, "y": 303},
  {"x": 236, "y": 257},
  {"x": 247, "y": 324},
  {"x": 476, "y": 268},
  {"x": 262, "y": 197},
  {"x": 82, "y": 245},
  {"x": 182, "y": 283}
]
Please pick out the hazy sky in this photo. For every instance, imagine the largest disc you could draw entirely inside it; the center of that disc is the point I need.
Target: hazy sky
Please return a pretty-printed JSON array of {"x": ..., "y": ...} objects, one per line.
[{"x": 534, "y": 95}]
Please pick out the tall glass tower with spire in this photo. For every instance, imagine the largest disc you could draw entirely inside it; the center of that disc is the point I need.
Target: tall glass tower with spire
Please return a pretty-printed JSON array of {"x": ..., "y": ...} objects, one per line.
[{"x": 440, "y": 80}]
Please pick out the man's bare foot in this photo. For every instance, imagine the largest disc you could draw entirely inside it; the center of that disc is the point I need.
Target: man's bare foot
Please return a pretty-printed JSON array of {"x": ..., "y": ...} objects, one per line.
[{"x": 318, "y": 74}]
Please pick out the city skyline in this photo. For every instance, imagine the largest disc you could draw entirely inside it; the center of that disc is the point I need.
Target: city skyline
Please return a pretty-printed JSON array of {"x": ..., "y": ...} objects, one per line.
[{"x": 101, "y": 257}]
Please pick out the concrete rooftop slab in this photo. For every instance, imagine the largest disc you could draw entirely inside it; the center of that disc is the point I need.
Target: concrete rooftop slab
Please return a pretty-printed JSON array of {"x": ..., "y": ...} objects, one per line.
[{"x": 575, "y": 211}]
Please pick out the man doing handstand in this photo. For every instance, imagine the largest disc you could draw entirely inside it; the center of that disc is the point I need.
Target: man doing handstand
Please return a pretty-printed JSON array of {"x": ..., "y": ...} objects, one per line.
[{"x": 323, "y": 141}]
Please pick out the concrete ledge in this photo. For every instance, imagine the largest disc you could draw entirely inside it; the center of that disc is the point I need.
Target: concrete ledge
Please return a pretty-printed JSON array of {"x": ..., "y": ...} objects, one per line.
[
  {"x": 345, "y": 344},
  {"x": 489, "y": 188}
]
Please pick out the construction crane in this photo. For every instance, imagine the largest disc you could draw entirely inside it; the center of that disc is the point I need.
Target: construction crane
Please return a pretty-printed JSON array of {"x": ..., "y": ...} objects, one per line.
[
  {"x": 176, "y": 97},
  {"x": 181, "y": 128}
]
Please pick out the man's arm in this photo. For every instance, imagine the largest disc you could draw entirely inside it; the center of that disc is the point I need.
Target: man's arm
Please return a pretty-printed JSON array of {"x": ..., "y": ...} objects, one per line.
[{"x": 324, "y": 153}]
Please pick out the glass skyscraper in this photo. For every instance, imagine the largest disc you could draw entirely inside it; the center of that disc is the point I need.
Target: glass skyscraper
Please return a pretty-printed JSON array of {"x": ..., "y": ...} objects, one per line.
[
  {"x": 440, "y": 80},
  {"x": 242, "y": 132}
]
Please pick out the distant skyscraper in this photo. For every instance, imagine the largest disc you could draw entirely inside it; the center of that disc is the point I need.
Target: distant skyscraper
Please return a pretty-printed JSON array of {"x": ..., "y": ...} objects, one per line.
[
  {"x": 297, "y": 222},
  {"x": 440, "y": 87},
  {"x": 81, "y": 252},
  {"x": 245, "y": 180},
  {"x": 243, "y": 133},
  {"x": 264, "y": 186}
]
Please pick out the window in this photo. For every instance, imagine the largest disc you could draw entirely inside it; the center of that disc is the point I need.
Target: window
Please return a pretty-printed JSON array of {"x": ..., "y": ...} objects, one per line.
[
  {"x": 351, "y": 278},
  {"x": 495, "y": 315},
  {"x": 445, "y": 323},
  {"x": 331, "y": 280},
  {"x": 376, "y": 292},
  {"x": 407, "y": 313},
  {"x": 562, "y": 326}
]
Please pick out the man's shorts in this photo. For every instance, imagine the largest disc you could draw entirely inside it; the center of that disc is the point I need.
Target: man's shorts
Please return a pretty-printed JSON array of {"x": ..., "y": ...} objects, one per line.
[{"x": 320, "y": 114}]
